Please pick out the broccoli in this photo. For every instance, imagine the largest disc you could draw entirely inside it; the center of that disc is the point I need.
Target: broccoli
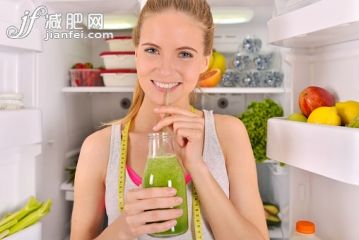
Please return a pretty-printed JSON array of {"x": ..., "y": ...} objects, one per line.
[{"x": 255, "y": 119}]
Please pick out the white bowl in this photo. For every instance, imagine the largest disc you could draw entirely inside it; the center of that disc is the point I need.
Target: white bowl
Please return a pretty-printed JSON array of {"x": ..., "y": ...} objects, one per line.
[
  {"x": 121, "y": 43},
  {"x": 119, "y": 60},
  {"x": 119, "y": 77}
]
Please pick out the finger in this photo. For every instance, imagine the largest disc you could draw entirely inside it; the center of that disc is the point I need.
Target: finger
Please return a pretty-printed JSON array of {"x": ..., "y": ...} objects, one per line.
[
  {"x": 151, "y": 204},
  {"x": 155, "y": 227},
  {"x": 175, "y": 118},
  {"x": 174, "y": 110},
  {"x": 190, "y": 134},
  {"x": 185, "y": 125},
  {"x": 181, "y": 141},
  {"x": 157, "y": 216},
  {"x": 145, "y": 193}
]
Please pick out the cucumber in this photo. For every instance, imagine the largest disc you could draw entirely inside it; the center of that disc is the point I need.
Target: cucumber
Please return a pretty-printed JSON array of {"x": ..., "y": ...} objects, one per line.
[
  {"x": 271, "y": 208},
  {"x": 273, "y": 221},
  {"x": 271, "y": 213}
]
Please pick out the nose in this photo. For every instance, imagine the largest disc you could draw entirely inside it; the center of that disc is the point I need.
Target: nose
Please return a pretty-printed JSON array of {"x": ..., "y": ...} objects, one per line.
[{"x": 166, "y": 66}]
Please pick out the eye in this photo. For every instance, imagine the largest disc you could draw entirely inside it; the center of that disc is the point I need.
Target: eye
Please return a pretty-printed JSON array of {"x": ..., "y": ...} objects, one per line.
[
  {"x": 151, "y": 50},
  {"x": 185, "y": 55}
]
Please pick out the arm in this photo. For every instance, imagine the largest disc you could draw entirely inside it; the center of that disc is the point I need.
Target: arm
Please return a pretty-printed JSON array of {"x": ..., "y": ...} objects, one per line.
[
  {"x": 241, "y": 216},
  {"x": 89, "y": 208}
]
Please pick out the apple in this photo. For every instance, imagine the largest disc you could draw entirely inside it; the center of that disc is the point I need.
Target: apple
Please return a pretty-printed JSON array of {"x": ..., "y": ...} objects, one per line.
[
  {"x": 299, "y": 117},
  {"x": 313, "y": 97}
]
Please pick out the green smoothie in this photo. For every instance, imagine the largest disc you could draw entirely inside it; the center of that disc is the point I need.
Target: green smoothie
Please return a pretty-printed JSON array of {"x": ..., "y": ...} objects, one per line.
[{"x": 166, "y": 171}]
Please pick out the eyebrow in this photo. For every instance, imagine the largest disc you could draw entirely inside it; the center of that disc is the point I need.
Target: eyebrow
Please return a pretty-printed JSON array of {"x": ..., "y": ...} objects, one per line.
[{"x": 180, "y": 48}]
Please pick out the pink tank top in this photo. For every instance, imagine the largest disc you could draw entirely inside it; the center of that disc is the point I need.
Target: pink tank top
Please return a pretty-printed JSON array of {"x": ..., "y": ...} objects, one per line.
[{"x": 136, "y": 179}]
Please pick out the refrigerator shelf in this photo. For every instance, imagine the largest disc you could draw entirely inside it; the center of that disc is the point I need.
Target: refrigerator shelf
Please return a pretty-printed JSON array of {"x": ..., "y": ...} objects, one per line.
[
  {"x": 32, "y": 232},
  {"x": 320, "y": 26},
  {"x": 69, "y": 190},
  {"x": 276, "y": 167},
  {"x": 275, "y": 232},
  {"x": 236, "y": 90},
  {"x": 330, "y": 151}
]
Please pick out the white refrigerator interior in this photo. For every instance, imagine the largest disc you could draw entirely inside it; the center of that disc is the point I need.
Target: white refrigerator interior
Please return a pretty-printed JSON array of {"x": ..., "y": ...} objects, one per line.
[{"x": 317, "y": 45}]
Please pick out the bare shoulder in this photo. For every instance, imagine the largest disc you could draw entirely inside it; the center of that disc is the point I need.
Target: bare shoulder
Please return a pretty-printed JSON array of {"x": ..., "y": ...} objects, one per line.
[
  {"x": 230, "y": 131},
  {"x": 95, "y": 150},
  {"x": 228, "y": 126},
  {"x": 97, "y": 141}
]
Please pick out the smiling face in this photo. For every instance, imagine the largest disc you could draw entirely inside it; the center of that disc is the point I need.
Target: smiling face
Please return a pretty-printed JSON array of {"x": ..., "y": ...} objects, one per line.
[{"x": 170, "y": 56}]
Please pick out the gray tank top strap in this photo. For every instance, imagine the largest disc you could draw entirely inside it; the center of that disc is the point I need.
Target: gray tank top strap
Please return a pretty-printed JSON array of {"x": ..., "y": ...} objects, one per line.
[
  {"x": 213, "y": 154},
  {"x": 211, "y": 139}
]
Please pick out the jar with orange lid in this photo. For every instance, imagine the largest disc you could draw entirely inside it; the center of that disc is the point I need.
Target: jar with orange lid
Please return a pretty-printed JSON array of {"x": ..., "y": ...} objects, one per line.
[{"x": 304, "y": 230}]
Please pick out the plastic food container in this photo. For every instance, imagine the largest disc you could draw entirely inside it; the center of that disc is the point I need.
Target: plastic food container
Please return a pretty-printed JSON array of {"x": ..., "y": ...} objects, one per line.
[
  {"x": 119, "y": 60},
  {"x": 119, "y": 77},
  {"x": 85, "y": 77},
  {"x": 121, "y": 43}
]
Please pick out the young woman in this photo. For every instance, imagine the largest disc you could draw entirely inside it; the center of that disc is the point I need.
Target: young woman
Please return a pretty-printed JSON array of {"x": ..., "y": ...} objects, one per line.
[{"x": 173, "y": 41}]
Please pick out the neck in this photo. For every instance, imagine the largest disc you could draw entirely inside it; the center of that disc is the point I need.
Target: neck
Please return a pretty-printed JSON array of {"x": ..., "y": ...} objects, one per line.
[{"x": 146, "y": 118}]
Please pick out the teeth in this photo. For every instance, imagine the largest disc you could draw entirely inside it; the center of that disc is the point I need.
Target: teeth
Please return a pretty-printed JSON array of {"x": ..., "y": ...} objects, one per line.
[{"x": 166, "y": 85}]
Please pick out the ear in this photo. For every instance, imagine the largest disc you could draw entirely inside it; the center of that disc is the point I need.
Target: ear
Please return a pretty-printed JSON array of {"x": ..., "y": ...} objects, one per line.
[{"x": 205, "y": 63}]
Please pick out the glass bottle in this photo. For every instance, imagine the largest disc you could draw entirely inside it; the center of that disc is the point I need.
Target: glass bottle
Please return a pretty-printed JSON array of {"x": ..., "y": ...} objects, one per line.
[{"x": 164, "y": 170}]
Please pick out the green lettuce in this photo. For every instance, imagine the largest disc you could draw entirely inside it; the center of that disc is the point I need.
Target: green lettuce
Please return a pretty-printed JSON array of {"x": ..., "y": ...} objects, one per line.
[{"x": 255, "y": 119}]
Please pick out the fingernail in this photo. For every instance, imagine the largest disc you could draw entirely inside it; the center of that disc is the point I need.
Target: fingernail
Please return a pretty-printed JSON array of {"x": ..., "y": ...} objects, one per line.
[
  {"x": 180, "y": 211},
  {"x": 179, "y": 200},
  {"x": 172, "y": 191},
  {"x": 172, "y": 223},
  {"x": 156, "y": 109},
  {"x": 154, "y": 128}
]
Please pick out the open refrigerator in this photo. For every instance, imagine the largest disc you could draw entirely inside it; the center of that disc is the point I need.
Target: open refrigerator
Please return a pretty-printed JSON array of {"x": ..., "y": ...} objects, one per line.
[{"x": 319, "y": 45}]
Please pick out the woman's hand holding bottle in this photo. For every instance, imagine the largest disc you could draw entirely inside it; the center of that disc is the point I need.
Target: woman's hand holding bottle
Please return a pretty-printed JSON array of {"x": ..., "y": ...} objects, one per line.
[{"x": 148, "y": 210}]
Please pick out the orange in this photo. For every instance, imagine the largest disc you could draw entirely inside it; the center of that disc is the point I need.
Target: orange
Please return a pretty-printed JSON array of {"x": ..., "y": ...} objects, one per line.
[{"x": 210, "y": 78}]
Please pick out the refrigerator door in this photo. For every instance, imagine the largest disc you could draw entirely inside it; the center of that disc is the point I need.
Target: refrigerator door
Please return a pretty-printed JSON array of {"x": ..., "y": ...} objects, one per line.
[
  {"x": 19, "y": 149},
  {"x": 322, "y": 50}
]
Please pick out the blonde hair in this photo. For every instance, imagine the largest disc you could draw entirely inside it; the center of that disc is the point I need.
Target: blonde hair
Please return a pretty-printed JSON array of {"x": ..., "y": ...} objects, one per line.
[{"x": 198, "y": 9}]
